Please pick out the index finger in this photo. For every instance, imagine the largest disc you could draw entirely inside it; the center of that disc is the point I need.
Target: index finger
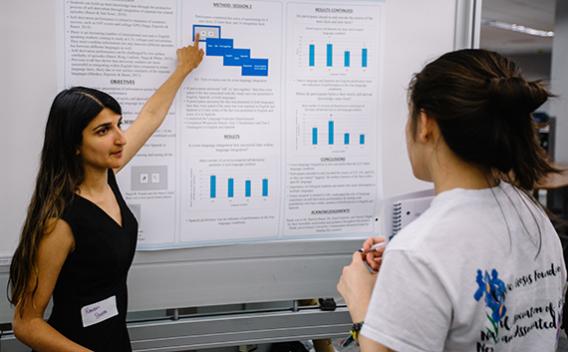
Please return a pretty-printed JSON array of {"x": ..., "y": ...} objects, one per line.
[{"x": 196, "y": 40}]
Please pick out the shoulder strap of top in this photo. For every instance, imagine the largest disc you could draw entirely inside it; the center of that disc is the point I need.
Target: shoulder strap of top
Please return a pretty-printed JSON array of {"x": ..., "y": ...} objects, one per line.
[
  {"x": 68, "y": 214},
  {"x": 112, "y": 181},
  {"x": 114, "y": 186}
]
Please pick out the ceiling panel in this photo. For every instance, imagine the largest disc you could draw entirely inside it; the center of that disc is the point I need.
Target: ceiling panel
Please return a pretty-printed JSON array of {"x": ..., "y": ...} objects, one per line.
[{"x": 537, "y": 14}]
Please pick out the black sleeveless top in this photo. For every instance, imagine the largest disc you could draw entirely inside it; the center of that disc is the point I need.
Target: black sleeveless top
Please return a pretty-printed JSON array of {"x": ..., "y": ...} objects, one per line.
[{"x": 94, "y": 271}]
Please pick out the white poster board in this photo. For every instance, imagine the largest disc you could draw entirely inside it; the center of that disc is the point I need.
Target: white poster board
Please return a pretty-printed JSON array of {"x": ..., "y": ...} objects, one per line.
[
  {"x": 275, "y": 136},
  {"x": 415, "y": 32}
]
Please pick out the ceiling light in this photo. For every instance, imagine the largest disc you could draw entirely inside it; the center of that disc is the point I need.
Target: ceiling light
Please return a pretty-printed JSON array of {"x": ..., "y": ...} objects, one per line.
[{"x": 518, "y": 28}]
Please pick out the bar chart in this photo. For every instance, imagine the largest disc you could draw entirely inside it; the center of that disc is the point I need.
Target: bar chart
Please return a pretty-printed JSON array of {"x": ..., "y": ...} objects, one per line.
[
  {"x": 335, "y": 45},
  {"x": 242, "y": 184},
  {"x": 331, "y": 136},
  {"x": 332, "y": 131},
  {"x": 241, "y": 187},
  {"x": 316, "y": 53}
]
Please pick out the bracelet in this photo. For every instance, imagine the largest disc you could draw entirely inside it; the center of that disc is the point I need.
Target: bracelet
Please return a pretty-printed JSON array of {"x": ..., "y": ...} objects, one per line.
[
  {"x": 355, "y": 329},
  {"x": 353, "y": 334}
]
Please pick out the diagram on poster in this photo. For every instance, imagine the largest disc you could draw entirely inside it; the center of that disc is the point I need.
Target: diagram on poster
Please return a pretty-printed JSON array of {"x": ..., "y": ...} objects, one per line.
[{"x": 274, "y": 136}]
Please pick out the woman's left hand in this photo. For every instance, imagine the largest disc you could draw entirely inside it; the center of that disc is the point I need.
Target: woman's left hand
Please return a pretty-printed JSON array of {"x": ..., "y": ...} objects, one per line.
[
  {"x": 189, "y": 57},
  {"x": 355, "y": 286}
]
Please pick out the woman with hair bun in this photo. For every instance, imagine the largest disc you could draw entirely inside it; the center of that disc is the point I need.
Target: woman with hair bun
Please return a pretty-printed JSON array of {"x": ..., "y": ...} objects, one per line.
[
  {"x": 79, "y": 237},
  {"x": 482, "y": 269}
]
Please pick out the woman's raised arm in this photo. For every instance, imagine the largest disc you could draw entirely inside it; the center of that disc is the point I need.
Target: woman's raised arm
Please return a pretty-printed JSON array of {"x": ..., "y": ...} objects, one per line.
[{"x": 156, "y": 107}]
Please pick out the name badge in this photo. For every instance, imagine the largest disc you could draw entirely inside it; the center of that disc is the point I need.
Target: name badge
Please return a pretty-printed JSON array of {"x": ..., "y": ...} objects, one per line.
[{"x": 100, "y": 311}]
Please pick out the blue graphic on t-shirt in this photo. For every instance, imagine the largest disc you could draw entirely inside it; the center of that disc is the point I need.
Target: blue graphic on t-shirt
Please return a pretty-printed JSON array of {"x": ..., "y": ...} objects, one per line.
[{"x": 494, "y": 290}]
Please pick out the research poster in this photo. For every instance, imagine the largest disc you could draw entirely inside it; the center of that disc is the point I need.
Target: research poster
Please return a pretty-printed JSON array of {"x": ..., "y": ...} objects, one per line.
[{"x": 276, "y": 135}]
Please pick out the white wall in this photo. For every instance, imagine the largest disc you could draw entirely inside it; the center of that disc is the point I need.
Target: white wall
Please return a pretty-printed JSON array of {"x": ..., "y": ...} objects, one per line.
[
  {"x": 419, "y": 48},
  {"x": 28, "y": 84}
]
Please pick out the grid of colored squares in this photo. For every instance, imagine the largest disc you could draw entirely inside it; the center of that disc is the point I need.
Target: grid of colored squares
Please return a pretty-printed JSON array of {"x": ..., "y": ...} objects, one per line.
[{"x": 231, "y": 187}]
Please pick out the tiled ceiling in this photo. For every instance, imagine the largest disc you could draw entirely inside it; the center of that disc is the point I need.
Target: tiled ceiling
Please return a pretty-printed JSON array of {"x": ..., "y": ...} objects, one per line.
[{"x": 537, "y": 14}]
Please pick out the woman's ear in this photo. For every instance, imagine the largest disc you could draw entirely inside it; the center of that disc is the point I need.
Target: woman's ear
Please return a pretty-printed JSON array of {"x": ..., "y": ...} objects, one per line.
[{"x": 427, "y": 129}]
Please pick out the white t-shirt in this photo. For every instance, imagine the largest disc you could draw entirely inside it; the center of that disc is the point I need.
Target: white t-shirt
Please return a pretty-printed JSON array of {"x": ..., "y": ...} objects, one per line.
[{"x": 471, "y": 274}]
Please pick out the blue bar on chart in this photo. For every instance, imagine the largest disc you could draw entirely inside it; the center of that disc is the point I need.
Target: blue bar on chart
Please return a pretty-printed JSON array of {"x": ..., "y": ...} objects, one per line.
[
  {"x": 329, "y": 54},
  {"x": 347, "y": 59},
  {"x": 346, "y": 138},
  {"x": 231, "y": 188},
  {"x": 213, "y": 186},
  {"x": 330, "y": 132},
  {"x": 265, "y": 187},
  {"x": 362, "y": 139},
  {"x": 314, "y": 136},
  {"x": 312, "y": 55},
  {"x": 364, "y": 57},
  {"x": 247, "y": 188}
]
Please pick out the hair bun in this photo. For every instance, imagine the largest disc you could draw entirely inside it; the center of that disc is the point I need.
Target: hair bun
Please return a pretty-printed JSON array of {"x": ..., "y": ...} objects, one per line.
[{"x": 516, "y": 95}]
